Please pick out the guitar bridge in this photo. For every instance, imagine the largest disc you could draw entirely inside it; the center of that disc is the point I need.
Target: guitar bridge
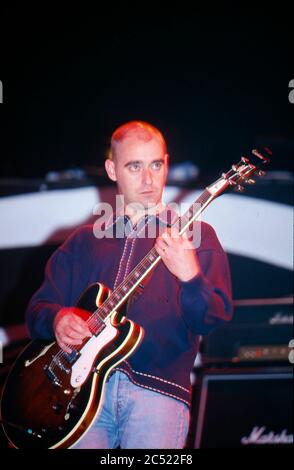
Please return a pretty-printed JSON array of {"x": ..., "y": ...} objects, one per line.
[{"x": 52, "y": 377}]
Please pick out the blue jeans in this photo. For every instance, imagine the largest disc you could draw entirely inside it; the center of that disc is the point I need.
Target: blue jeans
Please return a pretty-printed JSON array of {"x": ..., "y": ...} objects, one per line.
[{"x": 133, "y": 417}]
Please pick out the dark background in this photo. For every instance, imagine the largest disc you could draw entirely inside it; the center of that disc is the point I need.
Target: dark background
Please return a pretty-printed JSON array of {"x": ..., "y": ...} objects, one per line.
[{"x": 215, "y": 81}]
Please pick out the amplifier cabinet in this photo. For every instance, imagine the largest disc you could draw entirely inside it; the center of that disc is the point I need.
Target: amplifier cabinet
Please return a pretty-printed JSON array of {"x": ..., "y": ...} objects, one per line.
[{"x": 242, "y": 407}]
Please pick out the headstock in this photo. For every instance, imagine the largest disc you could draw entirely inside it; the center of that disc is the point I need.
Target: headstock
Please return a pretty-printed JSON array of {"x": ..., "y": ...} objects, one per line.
[{"x": 242, "y": 172}]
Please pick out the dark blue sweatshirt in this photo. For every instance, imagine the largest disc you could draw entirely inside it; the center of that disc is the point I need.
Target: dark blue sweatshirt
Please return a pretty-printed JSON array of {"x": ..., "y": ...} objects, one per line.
[{"x": 172, "y": 313}]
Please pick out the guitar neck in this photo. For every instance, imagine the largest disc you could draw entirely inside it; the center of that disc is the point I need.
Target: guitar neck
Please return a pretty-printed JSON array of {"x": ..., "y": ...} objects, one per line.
[{"x": 151, "y": 259}]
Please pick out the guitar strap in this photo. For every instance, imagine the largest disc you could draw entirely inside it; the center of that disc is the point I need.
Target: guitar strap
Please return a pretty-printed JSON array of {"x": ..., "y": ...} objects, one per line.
[{"x": 163, "y": 223}]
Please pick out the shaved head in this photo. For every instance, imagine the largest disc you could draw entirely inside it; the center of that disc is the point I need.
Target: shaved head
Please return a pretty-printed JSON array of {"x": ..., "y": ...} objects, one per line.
[{"x": 138, "y": 130}]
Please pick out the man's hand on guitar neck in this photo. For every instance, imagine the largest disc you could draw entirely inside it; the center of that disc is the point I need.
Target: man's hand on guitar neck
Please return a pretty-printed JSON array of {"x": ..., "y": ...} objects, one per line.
[
  {"x": 70, "y": 327},
  {"x": 178, "y": 254}
]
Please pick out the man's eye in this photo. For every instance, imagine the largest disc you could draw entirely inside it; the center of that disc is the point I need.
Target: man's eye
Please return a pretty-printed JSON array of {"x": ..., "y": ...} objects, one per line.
[
  {"x": 157, "y": 165},
  {"x": 134, "y": 167}
]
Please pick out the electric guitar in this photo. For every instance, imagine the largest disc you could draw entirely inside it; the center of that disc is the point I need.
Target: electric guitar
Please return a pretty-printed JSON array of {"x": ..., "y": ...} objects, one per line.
[{"x": 52, "y": 397}]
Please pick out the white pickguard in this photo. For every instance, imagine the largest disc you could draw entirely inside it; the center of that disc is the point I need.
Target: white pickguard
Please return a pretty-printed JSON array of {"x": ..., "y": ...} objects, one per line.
[{"x": 83, "y": 366}]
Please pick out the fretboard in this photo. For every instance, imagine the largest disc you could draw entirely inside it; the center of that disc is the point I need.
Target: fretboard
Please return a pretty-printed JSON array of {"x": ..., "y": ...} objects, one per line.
[{"x": 150, "y": 260}]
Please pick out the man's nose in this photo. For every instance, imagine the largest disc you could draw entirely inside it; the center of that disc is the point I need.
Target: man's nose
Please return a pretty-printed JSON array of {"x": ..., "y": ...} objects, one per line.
[{"x": 147, "y": 176}]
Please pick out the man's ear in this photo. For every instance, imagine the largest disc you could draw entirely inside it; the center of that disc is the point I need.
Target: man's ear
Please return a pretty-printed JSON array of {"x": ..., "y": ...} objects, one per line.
[{"x": 110, "y": 169}]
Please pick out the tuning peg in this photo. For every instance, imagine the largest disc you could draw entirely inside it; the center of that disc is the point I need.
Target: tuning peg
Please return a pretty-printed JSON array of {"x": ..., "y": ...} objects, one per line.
[
  {"x": 261, "y": 172},
  {"x": 250, "y": 181},
  {"x": 245, "y": 159},
  {"x": 262, "y": 157},
  {"x": 239, "y": 188}
]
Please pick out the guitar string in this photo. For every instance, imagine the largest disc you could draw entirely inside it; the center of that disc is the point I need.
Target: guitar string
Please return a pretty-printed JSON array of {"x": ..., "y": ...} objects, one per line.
[
  {"x": 143, "y": 265},
  {"x": 92, "y": 321},
  {"x": 117, "y": 290}
]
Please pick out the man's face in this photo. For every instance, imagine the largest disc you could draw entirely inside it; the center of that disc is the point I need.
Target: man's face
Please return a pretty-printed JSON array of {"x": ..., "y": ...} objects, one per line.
[{"x": 140, "y": 170}]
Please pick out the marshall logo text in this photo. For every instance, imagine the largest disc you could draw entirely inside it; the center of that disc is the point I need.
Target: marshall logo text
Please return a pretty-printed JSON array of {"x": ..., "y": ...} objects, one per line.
[{"x": 260, "y": 436}]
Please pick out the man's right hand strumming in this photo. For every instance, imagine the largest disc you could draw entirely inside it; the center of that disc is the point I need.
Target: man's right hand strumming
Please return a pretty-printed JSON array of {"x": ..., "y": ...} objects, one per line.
[{"x": 70, "y": 328}]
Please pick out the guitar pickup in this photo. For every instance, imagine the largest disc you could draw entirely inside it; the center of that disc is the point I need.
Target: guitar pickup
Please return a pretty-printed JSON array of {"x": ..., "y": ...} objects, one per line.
[{"x": 72, "y": 356}]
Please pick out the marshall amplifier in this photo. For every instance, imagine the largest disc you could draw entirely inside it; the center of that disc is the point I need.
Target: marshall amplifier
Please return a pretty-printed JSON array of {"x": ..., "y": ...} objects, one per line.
[
  {"x": 260, "y": 330},
  {"x": 242, "y": 407}
]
